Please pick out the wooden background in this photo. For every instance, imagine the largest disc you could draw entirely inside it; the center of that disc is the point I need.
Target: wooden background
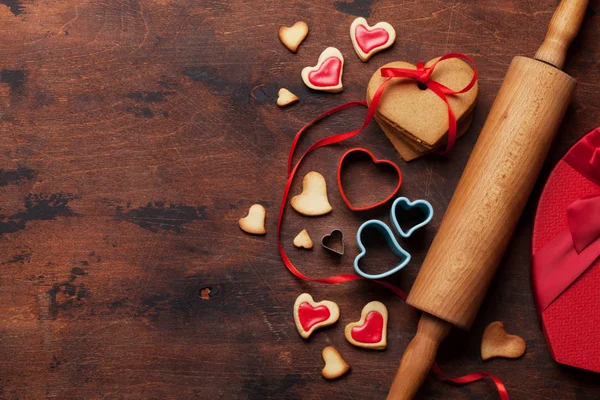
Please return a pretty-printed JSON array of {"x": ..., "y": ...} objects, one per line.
[{"x": 136, "y": 132}]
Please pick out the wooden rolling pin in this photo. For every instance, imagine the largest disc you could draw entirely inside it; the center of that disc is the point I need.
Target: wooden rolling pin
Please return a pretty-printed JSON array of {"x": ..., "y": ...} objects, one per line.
[{"x": 490, "y": 197}]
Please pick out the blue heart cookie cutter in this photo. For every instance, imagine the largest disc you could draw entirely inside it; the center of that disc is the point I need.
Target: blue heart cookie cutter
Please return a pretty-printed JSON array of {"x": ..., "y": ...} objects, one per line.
[
  {"x": 392, "y": 243},
  {"x": 406, "y": 205}
]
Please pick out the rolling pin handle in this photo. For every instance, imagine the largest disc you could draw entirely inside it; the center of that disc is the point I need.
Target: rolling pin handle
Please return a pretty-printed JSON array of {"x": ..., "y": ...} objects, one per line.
[
  {"x": 562, "y": 30},
  {"x": 419, "y": 357}
]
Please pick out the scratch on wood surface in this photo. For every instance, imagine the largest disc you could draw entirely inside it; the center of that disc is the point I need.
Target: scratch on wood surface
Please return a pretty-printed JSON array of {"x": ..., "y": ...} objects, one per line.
[{"x": 449, "y": 26}]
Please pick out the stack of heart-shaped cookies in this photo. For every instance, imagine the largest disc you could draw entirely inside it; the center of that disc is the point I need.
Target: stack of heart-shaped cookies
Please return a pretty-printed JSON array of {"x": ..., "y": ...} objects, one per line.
[{"x": 413, "y": 117}]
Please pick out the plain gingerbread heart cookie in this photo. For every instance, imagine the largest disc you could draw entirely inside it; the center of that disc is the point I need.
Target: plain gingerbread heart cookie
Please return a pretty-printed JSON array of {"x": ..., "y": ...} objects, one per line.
[
  {"x": 254, "y": 222},
  {"x": 335, "y": 365},
  {"x": 371, "y": 331},
  {"x": 310, "y": 315},
  {"x": 497, "y": 343},
  {"x": 292, "y": 36},
  {"x": 420, "y": 114},
  {"x": 313, "y": 200}
]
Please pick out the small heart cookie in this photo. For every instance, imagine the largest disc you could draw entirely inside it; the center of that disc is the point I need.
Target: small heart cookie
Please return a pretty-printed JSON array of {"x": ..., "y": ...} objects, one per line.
[
  {"x": 310, "y": 315},
  {"x": 313, "y": 200},
  {"x": 303, "y": 240},
  {"x": 335, "y": 365},
  {"x": 254, "y": 222},
  {"x": 371, "y": 331},
  {"x": 285, "y": 97},
  {"x": 327, "y": 74},
  {"x": 368, "y": 40},
  {"x": 420, "y": 115},
  {"x": 497, "y": 343},
  {"x": 292, "y": 36}
]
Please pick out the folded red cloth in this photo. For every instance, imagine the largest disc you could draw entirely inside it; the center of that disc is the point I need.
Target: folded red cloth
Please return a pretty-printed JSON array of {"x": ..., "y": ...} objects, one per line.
[{"x": 566, "y": 250}]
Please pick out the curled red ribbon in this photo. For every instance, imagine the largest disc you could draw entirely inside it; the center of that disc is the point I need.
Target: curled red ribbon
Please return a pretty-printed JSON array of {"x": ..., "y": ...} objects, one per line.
[{"x": 422, "y": 74}]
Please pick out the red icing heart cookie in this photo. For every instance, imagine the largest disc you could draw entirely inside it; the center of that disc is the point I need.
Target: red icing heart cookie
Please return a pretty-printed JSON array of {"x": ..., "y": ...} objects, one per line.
[
  {"x": 310, "y": 315},
  {"x": 327, "y": 74},
  {"x": 371, "y": 331},
  {"x": 368, "y": 40}
]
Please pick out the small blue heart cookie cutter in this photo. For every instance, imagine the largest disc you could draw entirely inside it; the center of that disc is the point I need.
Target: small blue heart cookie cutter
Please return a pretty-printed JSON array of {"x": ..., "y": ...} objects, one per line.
[
  {"x": 392, "y": 243},
  {"x": 423, "y": 205}
]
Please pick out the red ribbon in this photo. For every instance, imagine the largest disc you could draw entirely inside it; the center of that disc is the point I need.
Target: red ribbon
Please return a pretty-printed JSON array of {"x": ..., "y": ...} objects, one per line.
[
  {"x": 574, "y": 249},
  {"x": 422, "y": 74}
]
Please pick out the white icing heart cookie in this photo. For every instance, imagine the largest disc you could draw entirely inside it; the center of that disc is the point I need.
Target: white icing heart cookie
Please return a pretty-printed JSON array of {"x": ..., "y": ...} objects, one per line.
[
  {"x": 368, "y": 40},
  {"x": 327, "y": 74},
  {"x": 310, "y": 315}
]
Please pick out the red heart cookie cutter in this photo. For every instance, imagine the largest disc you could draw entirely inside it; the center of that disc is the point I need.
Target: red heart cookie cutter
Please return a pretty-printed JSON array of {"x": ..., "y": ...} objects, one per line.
[{"x": 376, "y": 161}]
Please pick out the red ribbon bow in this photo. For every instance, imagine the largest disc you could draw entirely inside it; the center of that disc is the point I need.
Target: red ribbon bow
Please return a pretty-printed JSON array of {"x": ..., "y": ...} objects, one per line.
[
  {"x": 584, "y": 222},
  {"x": 574, "y": 249},
  {"x": 422, "y": 74}
]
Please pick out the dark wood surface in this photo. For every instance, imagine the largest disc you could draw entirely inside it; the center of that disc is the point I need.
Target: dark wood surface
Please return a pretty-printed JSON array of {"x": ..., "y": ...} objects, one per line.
[{"x": 136, "y": 133}]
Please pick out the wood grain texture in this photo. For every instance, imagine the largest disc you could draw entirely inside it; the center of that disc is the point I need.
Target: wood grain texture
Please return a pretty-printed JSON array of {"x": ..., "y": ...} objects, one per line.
[
  {"x": 135, "y": 133},
  {"x": 492, "y": 192},
  {"x": 562, "y": 30}
]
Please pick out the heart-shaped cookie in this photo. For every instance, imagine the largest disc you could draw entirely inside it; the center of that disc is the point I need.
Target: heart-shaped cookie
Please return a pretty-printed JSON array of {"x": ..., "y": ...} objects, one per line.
[
  {"x": 292, "y": 36},
  {"x": 254, "y": 222},
  {"x": 402, "y": 212},
  {"x": 310, "y": 315},
  {"x": 409, "y": 149},
  {"x": 420, "y": 114},
  {"x": 334, "y": 242},
  {"x": 303, "y": 240},
  {"x": 327, "y": 74},
  {"x": 368, "y": 40},
  {"x": 376, "y": 161},
  {"x": 497, "y": 343},
  {"x": 371, "y": 331},
  {"x": 335, "y": 365},
  {"x": 313, "y": 200},
  {"x": 285, "y": 98},
  {"x": 391, "y": 242}
]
